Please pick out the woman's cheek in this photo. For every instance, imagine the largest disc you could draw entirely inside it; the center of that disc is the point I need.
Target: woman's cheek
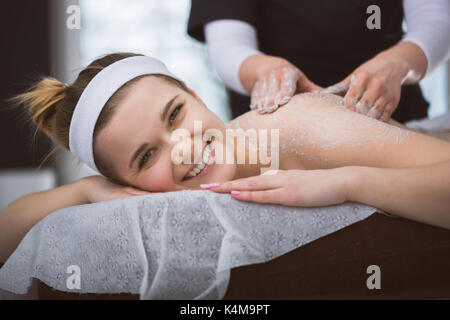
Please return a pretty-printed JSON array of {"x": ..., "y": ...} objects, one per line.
[{"x": 155, "y": 180}]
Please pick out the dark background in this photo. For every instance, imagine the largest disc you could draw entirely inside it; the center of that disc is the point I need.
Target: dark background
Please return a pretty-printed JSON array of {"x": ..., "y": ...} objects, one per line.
[{"x": 25, "y": 53}]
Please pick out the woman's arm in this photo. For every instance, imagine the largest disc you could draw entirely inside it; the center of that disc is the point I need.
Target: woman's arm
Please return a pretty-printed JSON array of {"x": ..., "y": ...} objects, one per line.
[
  {"x": 21, "y": 215},
  {"x": 394, "y": 169},
  {"x": 421, "y": 194}
]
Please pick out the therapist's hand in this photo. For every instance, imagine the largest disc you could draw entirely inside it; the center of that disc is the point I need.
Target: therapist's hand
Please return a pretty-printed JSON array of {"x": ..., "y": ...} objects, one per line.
[
  {"x": 273, "y": 82},
  {"x": 302, "y": 188},
  {"x": 374, "y": 88}
]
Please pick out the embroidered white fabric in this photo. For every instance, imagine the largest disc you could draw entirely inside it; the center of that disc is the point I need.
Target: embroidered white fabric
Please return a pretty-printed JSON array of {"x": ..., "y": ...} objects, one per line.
[{"x": 175, "y": 245}]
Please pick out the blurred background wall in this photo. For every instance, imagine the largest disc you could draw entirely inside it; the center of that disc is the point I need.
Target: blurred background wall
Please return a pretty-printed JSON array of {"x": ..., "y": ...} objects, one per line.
[
  {"x": 36, "y": 40},
  {"x": 25, "y": 53}
]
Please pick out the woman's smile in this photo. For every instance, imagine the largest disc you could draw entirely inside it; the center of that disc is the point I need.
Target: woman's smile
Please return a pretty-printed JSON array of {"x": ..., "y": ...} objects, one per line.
[{"x": 200, "y": 168}]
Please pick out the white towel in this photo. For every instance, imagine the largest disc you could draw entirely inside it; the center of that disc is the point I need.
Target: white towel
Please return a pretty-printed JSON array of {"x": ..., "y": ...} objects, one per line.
[{"x": 175, "y": 245}]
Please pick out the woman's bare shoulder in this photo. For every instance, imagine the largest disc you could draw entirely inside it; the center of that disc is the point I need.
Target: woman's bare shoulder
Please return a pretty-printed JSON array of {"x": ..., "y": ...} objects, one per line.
[{"x": 286, "y": 113}]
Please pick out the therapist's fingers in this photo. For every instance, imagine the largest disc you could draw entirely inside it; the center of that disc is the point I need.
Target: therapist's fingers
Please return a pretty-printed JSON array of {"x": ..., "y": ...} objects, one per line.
[
  {"x": 268, "y": 101},
  {"x": 387, "y": 113},
  {"x": 257, "y": 93},
  {"x": 378, "y": 108},
  {"x": 274, "y": 89},
  {"x": 288, "y": 86},
  {"x": 355, "y": 92},
  {"x": 367, "y": 102},
  {"x": 263, "y": 90},
  {"x": 339, "y": 89}
]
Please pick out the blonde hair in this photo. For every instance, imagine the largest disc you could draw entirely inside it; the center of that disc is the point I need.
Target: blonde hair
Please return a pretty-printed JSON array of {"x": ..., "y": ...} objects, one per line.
[{"x": 51, "y": 103}]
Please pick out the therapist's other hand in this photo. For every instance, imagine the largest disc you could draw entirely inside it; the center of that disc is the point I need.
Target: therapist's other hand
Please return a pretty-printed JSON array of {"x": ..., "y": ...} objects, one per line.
[
  {"x": 276, "y": 83},
  {"x": 98, "y": 188},
  {"x": 373, "y": 89},
  {"x": 300, "y": 188}
]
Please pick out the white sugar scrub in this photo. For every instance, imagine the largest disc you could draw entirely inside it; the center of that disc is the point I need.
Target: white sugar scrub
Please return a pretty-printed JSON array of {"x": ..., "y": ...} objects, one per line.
[
  {"x": 316, "y": 127},
  {"x": 249, "y": 124}
]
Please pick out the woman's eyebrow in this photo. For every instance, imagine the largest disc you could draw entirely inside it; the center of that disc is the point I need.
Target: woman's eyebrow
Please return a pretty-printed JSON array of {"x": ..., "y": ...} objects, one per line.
[
  {"x": 163, "y": 116},
  {"x": 137, "y": 153},
  {"x": 166, "y": 109}
]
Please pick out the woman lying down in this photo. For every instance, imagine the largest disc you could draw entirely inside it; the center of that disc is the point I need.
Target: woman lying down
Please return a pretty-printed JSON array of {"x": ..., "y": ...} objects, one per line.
[{"x": 121, "y": 116}]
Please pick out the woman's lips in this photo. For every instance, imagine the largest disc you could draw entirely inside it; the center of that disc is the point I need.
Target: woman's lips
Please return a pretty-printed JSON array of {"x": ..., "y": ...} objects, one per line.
[
  {"x": 196, "y": 163},
  {"x": 210, "y": 163}
]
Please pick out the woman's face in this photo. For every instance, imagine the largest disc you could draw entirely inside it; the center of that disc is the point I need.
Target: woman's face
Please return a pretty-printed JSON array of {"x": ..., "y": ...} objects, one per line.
[{"x": 137, "y": 142}]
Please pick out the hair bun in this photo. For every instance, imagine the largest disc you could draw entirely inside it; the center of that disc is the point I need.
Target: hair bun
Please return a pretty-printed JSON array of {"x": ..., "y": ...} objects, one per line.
[{"x": 41, "y": 101}]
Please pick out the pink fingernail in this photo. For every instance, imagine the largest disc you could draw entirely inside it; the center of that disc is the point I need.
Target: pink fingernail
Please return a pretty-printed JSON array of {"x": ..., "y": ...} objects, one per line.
[
  {"x": 235, "y": 192},
  {"x": 209, "y": 185}
]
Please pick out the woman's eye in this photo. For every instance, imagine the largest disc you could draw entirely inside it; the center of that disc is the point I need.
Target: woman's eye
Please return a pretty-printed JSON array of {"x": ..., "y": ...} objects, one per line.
[
  {"x": 175, "y": 113},
  {"x": 145, "y": 158},
  {"x": 149, "y": 153}
]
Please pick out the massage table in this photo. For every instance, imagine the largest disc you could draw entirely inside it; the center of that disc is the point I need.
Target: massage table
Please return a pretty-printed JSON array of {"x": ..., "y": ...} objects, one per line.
[{"x": 414, "y": 260}]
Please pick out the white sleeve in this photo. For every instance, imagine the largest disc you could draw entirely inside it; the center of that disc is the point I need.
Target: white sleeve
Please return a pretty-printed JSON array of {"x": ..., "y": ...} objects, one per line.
[
  {"x": 229, "y": 43},
  {"x": 428, "y": 26}
]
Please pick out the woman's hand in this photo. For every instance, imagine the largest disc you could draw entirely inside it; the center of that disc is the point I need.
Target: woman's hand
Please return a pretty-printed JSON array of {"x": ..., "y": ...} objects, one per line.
[
  {"x": 374, "y": 88},
  {"x": 274, "y": 83},
  {"x": 97, "y": 188},
  {"x": 302, "y": 188}
]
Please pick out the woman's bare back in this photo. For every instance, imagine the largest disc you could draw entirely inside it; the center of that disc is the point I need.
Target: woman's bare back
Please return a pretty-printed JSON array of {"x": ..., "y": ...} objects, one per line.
[{"x": 316, "y": 131}]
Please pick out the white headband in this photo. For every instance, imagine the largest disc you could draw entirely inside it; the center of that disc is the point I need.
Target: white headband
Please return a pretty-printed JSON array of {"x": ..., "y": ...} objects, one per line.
[{"x": 95, "y": 96}]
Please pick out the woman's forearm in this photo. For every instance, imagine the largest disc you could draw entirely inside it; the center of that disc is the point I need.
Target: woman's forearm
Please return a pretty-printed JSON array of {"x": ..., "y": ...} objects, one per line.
[
  {"x": 21, "y": 215},
  {"x": 421, "y": 193}
]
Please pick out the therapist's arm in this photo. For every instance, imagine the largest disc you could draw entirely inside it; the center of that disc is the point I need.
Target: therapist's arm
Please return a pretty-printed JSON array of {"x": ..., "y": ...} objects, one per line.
[
  {"x": 271, "y": 81},
  {"x": 421, "y": 194},
  {"x": 428, "y": 25},
  {"x": 374, "y": 88},
  {"x": 230, "y": 43}
]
